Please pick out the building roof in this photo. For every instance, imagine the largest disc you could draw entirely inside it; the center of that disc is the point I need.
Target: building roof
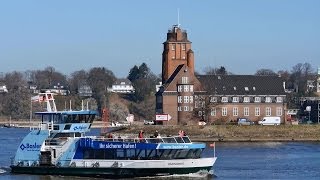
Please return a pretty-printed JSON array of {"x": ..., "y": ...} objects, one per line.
[
  {"x": 242, "y": 84},
  {"x": 122, "y": 81}
]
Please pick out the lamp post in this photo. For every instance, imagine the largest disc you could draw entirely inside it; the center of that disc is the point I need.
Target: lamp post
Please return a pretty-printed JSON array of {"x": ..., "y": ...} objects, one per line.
[{"x": 308, "y": 108}]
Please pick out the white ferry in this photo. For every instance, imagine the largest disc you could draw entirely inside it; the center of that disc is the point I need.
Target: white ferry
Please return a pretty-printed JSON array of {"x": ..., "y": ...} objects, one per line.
[{"x": 59, "y": 146}]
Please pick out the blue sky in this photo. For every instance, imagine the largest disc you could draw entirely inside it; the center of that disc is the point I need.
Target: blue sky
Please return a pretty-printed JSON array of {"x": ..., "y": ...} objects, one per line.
[{"x": 241, "y": 35}]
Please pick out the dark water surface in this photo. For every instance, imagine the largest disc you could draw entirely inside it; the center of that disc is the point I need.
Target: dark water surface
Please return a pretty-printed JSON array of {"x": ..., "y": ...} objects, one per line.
[{"x": 269, "y": 160}]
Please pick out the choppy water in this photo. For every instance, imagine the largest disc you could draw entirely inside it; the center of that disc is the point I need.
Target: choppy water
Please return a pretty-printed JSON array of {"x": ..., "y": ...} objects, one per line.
[{"x": 270, "y": 160}]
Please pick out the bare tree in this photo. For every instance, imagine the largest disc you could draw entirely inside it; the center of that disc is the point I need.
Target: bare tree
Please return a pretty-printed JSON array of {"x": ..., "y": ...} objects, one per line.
[{"x": 265, "y": 72}]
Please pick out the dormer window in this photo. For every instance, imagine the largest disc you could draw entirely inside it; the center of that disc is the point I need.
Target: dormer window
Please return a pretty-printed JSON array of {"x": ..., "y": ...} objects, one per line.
[
  {"x": 213, "y": 99},
  {"x": 257, "y": 99},
  {"x": 268, "y": 100},
  {"x": 246, "y": 99},
  {"x": 234, "y": 88},
  {"x": 224, "y": 99},
  {"x": 279, "y": 100},
  {"x": 254, "y": 88},
  {"x": 235, "y": 99},
  {"x": 246, "y": 88}
]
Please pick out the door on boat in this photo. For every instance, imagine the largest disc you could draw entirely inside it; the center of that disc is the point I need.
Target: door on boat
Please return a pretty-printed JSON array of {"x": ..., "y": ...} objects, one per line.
[{"x": 45, "y": 158}]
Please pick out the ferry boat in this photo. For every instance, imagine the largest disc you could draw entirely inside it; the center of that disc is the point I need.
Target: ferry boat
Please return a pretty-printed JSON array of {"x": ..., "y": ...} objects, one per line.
[{"x": 59, "y": 146}]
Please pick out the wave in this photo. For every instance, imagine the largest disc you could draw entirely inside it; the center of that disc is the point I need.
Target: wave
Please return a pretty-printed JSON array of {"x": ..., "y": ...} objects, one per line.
[
  {"x": 3, "y": 170},
  {"x": 198, "y": 175}
]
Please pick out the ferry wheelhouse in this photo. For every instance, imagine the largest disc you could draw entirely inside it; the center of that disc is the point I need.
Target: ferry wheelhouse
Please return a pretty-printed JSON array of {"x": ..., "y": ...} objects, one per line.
[{"x": 59, "y": 146}]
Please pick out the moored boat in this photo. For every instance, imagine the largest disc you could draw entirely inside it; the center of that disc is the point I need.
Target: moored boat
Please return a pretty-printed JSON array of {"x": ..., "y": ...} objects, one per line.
[{"x": 59, "y": 146}]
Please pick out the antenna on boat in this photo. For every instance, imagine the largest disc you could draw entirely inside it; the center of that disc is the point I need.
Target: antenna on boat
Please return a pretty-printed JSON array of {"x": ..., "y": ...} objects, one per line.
[
  {"x": 81, "y": 105},
  {"x": 87, "y": 105}
]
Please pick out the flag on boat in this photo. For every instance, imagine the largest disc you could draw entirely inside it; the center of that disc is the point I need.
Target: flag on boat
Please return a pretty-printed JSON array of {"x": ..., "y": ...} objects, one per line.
[{"x": 212, "y": 144}]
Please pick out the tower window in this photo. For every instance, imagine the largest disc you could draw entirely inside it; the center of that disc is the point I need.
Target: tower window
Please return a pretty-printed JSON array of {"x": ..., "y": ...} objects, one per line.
[
  {"x": 173, "y": 47},
  {"x": 183, "y": 47}
]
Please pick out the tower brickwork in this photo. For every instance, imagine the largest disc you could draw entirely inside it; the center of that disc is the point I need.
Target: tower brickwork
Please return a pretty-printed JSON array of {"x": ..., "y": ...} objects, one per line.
[{"x": 176, "y": 51}]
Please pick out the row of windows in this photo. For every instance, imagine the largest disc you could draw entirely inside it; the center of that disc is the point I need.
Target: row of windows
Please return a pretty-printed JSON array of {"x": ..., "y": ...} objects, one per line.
[
  {"x": 185, "y": 108},
  {"x": 141, "y": 154},
  {"x": 183, "y": 47},
  {"x": 185, "y": 88},
  {"x": 245, "y": 99},
  {"x": 246, "y": 111},
  {"x": 186, "y": 99}
]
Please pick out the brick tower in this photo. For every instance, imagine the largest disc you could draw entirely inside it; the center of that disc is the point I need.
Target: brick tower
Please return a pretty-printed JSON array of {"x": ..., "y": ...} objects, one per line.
[{"x": 176, "y": 51}]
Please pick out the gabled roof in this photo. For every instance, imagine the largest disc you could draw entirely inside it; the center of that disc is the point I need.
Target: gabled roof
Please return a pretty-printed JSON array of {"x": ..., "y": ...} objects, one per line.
[
  {"x": 242, "y": 84},
  {"x": 122, "y": 80}
]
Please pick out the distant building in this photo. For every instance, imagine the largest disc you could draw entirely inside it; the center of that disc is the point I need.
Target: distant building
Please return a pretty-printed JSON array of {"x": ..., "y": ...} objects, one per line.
[
  {"x": 57, "y": 89},
  {"x": 3, "y": 89},
  {"x": 189, "y": 99},
  {"x": 122, "y": 86},
  {"x": 84, "y": 91}
]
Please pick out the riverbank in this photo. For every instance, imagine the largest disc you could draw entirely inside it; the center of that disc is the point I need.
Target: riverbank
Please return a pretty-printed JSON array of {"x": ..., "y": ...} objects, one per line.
[
  {"x": 227, "y": 133},
  {"x": 234, "y": 133}
]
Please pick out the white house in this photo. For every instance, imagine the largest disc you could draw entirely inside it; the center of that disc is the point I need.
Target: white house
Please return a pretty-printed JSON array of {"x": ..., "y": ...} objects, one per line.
[
  {"x": 122, "y": 86},
  {"x": 3, "y": 89}
]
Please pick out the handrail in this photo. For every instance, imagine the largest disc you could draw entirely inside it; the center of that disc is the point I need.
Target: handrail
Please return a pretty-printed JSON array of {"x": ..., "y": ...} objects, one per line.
[{"x": 171, "y": 139}]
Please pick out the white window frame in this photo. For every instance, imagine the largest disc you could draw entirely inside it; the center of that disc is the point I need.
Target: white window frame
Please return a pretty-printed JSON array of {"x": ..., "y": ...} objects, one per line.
[
  {"x": 224, "y": 111},
  {"x": 183, "y": 47},
  {"x": 246, "y": 99},
  {"x": 200, "y": 113},
  {"x": 179, "y": 88},
  {"x": 235, "y": 99},
  {"x": 191, "y": 99},
  {"x": 179, "y": 108},
  {"x": 186, "y": 99},
  {"x": 246, "y": 111},
  {"x": 213, "y": 99},
  {"x": 279, "y": 111},
  {"x": 235, "y": 111},
  {"x": 279, "y": 99},
  {"x": 268, "y": 99},
  {"x": 173, "y": 47},
  {"x": 257, "y": 99},
  {"x": 213, "y": 111},
  {"x": 191, "y": 88},
  {"x": 179, "y": 99},
  {"x": 184, "y": 80},
  {"x": 257, "y": 111},
  {"x": 268, "y": 111},
  {"x": 196, "y": 104},
  {"x": 186, "y": 108},
  {"x": 186, "y": 88},
  {"x": 224, "y": 99}
]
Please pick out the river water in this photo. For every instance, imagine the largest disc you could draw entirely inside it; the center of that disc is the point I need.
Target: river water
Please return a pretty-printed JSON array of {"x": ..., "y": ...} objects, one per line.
[{"x": 253, "y": 160}]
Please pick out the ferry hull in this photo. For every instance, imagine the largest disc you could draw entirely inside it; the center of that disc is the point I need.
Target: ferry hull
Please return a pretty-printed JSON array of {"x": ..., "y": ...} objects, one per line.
[{"x": 105, "y": 172}]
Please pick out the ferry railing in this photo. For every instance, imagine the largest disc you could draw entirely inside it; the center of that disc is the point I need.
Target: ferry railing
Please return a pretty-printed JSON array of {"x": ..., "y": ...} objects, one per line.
[{"x": 170, "y": 139}]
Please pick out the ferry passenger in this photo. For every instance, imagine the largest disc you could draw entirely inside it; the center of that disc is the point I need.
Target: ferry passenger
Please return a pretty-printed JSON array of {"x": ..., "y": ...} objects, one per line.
[
  {"x": 180, "y": 133},
  {"x": 156, "y": 134}
]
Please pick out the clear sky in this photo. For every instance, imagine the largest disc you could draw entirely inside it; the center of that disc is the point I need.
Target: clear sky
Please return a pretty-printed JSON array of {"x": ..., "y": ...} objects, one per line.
[{"x": 242, "y": 35}]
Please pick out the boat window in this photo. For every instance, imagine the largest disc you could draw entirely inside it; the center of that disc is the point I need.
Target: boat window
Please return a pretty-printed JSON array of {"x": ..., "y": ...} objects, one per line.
[
  {"x": 109, "y": 154},
  {"x": 67, "y": 126},
  {"x": 120, "y": 154},
  {"x": 56, "y": 127},
  {"x": 99, "y": 154},
  {"x": 169, "y": 140},
  {"x": 186, "y": 139},
  {"x": 141, "y": 154},
  {"x": 179, "y": 139},
  {"x": 181, "y": 154},
  {"x": 131, "y": 154}
]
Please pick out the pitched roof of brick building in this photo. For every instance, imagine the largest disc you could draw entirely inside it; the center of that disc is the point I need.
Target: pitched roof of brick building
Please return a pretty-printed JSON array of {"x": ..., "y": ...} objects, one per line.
[{"x": 242, "y": 84}]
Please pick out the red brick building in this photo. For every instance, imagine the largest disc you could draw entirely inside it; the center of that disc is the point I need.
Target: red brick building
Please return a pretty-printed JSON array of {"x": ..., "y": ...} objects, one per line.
[{"x": 189, "y": 99}]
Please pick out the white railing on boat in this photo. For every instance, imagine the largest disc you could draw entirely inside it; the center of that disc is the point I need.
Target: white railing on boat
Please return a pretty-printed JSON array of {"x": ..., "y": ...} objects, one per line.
[{"x": 170, "y": 139}]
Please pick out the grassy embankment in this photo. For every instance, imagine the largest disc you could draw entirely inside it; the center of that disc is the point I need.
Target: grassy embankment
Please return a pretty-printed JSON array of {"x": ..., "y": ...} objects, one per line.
[
  {"x": 237, "y": 133},
  {"x": 218, "y": 132}
]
